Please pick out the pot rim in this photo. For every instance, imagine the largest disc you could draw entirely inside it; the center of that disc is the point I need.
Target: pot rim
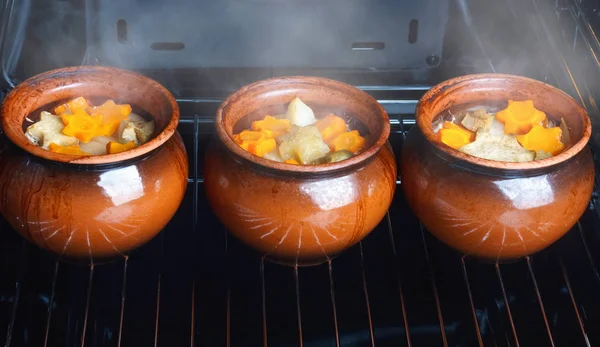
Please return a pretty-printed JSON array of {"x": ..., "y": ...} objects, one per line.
[
  {"x": 17, "y": 135},
  {"x": 363, "y": 156},
  {"x": 425, "y": 124}
]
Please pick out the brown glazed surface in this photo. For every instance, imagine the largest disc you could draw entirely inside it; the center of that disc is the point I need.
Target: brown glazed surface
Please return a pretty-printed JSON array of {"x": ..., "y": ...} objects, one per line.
[
  {"x": 488, "y": 209},
  {"x": 91, "y": 208},
  {"x": 292, "y": 214}
]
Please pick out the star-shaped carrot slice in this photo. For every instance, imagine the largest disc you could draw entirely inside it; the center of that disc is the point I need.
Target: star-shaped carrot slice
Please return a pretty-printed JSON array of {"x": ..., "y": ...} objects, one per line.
[
  {"x": 81, "y": 125},
  {"x": 542, "y": 139},
  {"x": 112, "y": 115},
  {"x": 520, "y": 116},
  {"x": 455, "y": 136}
]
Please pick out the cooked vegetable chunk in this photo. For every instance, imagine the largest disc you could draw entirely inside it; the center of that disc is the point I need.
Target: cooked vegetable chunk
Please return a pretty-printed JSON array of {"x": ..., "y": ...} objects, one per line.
[
  {"x": 83, "y": 129},
  {"x": 115, "y": 147},
  {"x": 499, "y": 148},
  {"x": 520, "y": 116},
  {"x": 454, "y": 135},
  {"x": 72, "y": 150},
  {"x": 49, "y": 129},
  {"x": 271, "y": 127},
  {"x": 331, "y": 126},
  {"x": 304, "y": 144},
  {"x": 542, "y": 139},
  {"x": 300, "y": 114},
  {"x": 350, "y": 141},
  {"x": 81, "y": 125}
]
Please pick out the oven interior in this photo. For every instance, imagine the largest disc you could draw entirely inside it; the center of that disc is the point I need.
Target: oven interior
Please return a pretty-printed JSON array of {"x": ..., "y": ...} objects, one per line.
[{"x": 195, "y": 285}]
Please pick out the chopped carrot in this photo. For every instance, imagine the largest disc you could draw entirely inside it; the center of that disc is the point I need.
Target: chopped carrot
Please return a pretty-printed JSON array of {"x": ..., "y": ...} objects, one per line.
[
  {"x": 271, "y": 126},
  {"x": 79, "y": 103},
  {"x": 455, "y": 136},
  {"x": 292, "y": 161},
  {"x": 520, "y": 116},
  {"x": 350, "y": 141},
  {"x": 259, "y": 147},
  {"x": 72, "y": 150},
  {"x": 81, "y": 125},
  {"x": 331, "y": 126},
  {"x": 247, "y": 135},
  {"x": 113, "y": 147},
  {"x": 542, "y": 139},
  {"x": 112, "y": 116},
  {"x": 255, "y": 142}
]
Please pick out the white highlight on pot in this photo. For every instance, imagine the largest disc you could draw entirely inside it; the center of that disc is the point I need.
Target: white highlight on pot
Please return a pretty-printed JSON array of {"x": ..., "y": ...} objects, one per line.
[
  {"x": 331, "y": 193},
  {"x": 122, "y": 185},
  {"x": 526, "y": 193}
]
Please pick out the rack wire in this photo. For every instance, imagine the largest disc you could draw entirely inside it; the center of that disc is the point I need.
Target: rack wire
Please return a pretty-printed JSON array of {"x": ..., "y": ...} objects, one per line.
[{"x": 460, "y": 312}]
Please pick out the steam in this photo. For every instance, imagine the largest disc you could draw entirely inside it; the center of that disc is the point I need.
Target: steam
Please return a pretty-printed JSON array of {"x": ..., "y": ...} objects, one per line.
[
  {"x": 504, "y": 39},
  {"x": 220, "y": 35},
  {"x": 217, "y": 35},
  {"x": 15, "y": 18},
  {"x": 47, "y": 34}
]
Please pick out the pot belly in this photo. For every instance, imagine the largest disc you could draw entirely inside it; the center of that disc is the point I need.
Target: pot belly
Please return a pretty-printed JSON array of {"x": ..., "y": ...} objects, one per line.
[
  {"x": 299, "y": 221},
  {"x": 494, "y": 216},
  {"x": 92, "y": 215}
]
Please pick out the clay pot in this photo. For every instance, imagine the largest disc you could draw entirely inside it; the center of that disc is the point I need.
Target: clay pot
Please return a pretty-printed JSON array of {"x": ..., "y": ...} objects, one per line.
[
  {"x": 294, "y": 214},
  {"x": 490, "y": 209},
  {"x": 90, "y": 208}
]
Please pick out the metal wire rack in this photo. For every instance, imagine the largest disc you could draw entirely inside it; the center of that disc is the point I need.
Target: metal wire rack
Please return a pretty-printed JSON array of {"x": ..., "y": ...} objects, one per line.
[{"x": 195, "y": 285}]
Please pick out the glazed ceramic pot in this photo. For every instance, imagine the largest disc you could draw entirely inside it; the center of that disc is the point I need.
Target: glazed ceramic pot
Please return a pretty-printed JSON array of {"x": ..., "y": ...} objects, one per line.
[
  {"x": 490, "y": 209},
  {"x": 98, "y": 207},
  {"x": 294, "y": 214}
]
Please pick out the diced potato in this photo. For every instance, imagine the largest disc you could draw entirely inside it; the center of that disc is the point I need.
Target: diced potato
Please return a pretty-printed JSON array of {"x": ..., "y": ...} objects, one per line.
[
  {"x": 49, "y": 130},
  {"x": 273, "y": 155},
  {"x": 103, "y": 140},
  {"x": 479, "y": 112},
  {"x": 477, "y": 119},
  {"x": 497, "y": 128},
  {"x": 304, "y": 144},
  {"x": 97, "y": 146},
  {"x": 333, "y": 157},
  {"x": 500, "y": 148},
  {"x": 300, "y": 114},
  {"x": 138, "y": 132},
  {"x": 126, "y": 132},
  {"x": 539, "y": 155},
  {"x": 143, "y": 131},
  {"x": 93, "y": 148},
  {"x": 134, "y": 117}
]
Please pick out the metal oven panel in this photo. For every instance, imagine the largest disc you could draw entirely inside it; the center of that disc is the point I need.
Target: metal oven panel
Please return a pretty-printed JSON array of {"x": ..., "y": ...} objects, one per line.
[{"x": 381, "y": 34}]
